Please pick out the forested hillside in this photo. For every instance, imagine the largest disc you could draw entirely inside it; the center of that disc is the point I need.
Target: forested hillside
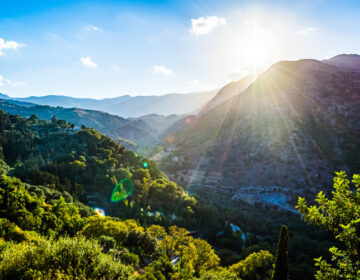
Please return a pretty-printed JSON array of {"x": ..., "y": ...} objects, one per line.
[
  {"x": 139, "y": 134},
  {"x": 82, "y": 166},
  {"x": 46, "y": 232}
]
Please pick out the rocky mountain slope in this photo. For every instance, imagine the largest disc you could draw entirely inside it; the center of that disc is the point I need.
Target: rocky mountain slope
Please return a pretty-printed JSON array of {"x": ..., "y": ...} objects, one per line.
[
  {"x": 227, "y": 92},
  {"x": 346, "y": 61},
  {"x": 293, "y": 127}
]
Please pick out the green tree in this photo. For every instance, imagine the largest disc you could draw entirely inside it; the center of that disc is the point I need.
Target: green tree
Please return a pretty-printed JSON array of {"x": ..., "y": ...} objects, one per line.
[
  {"x": 107, "y": 243},
  {"x": 255, "y": 266},
  {"x": 281, "y": 266},
  {"x": 54, "y": 120},
  {"x": 341, "y": 216}
]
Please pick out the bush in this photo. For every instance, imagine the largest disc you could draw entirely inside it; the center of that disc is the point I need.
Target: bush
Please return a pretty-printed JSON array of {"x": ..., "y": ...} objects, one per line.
[
  {"x": 130, "y": 259},
  {"x": 66, "y": 258},
  {"x": 107, "y": 243}
]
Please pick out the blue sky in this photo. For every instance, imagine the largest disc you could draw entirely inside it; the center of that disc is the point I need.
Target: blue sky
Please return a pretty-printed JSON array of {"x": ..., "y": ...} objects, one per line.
[{"x": 109, "y": 48}]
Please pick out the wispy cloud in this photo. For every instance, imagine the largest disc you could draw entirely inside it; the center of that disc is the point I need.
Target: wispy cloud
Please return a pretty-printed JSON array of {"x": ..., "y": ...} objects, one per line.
[
  {"x": 16, "y": 84},
  {"x": 201, "y": 25},
  {"x": 305, "y": 30},
  {"x": 9, "y": 45},
  {"x": 88, "y": 62},
  {"x": 4, "y": 81},
  {"x": 161, "y": 69},
  {"x": 92, "y": 28}
]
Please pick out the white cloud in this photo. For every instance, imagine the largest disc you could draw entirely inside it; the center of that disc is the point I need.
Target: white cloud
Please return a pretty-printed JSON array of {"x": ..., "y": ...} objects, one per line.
[
  {"x": 9, "y": 45},
  {"x": 92, "y": 28},
  {"x": 88, "y": 62},
  {"x": 305, "y": 30},
  {"x": 4, "y": 81},
  {"x": 15, "y": 84},
  {"x": 198, "y": 85},
  {"x": 201, "y": 25},
  {"x": 161, "y": 69}
]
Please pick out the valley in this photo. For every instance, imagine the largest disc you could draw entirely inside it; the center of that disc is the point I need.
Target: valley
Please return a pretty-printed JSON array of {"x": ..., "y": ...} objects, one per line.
[
  {"x": 179, "y": 140},
  {"x": 239, "y": 166}
]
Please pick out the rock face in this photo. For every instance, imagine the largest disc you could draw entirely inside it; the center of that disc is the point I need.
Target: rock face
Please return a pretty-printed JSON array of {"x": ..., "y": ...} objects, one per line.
[{"x": 293, "y": 127}]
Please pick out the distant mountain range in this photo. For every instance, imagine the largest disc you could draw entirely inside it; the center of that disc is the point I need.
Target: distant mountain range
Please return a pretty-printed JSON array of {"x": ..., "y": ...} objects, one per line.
[
  {"x": 295, "y": 125},
  {"x": 126, "y": 105}
]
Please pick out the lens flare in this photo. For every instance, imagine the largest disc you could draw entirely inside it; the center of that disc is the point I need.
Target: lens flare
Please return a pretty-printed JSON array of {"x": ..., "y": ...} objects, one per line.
[
  {"x": 122, "y": 190},
  {"x": 100, "y": 212},
  {"x": 145, "y": 164}
]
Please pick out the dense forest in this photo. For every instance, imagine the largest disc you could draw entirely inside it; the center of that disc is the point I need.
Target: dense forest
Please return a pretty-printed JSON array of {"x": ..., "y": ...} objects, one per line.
[{"x": 53, "y": 176}]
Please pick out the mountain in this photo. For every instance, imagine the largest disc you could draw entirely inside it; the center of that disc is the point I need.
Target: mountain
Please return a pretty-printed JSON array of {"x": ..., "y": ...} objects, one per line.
[
  {"x": 80, "y": 161},
  {"x": 227, "y": 92},
  {"x": 3, "y": 96},
  {"x": 48, "y": 168},
  {"x": 129, "y": 106},
  {"x": 293, "y": 127},
  {"x": 346, "y": 61},
  {"x": 140, "y": 132}
]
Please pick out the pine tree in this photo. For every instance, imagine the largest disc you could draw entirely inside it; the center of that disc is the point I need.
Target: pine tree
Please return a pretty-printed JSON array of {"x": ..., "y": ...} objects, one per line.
[{"x": 281, "y": 266}]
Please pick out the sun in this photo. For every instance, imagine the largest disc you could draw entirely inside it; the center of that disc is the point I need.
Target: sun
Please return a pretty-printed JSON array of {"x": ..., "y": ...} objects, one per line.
[
  {"x": 257, "y": 46},
  {"x": 255, "y": 53}
]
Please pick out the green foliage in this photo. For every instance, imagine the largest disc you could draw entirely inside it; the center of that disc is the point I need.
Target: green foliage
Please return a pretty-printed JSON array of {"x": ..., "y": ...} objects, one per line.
[
  {"x": 97, "y": 226},
  {"x": 161, "y": 269},
  {"x": 107, "y": 243},
  {"x": 196, "y": 254},
  {"x": 130, "y": 259},
  {"x": 46, "y": 233},
  {"x": 66, "y": 258},
  {"x": 255, "y": 266},
  {"x": 156, "y": 231},
  {"x": 339, "y": 215},
  {"x": 85, "y": 164},
  {"x": 10, "y": 231},
  {"x": 33, "y": 213},
  {"x": 281, "y": 266},
  {"x": 222, "y": 274}
]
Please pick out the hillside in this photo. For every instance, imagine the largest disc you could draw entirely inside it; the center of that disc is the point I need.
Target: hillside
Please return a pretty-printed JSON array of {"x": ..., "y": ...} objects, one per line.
[
  {"x": 129, "y": 106},
  {"x": 137, "y": 134},
  {"x": 45, "y": 233},
  {"x": 227, "y": 92},
  {"x": 347, "y": 61},
  {"x": 62, "y": 168},
  {"x": 291, "y": 128}
]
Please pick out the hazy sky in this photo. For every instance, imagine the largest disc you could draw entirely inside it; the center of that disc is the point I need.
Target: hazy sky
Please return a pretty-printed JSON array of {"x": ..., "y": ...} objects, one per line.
[{"x": 110, "y": 48}]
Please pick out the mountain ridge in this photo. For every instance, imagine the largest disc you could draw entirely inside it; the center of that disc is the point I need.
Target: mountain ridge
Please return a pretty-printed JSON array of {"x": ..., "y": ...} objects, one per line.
[
  {"x": 290, "y": 124},
  {"x": 134, "y": 134},
  {"x": 129, "y": 106}
]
